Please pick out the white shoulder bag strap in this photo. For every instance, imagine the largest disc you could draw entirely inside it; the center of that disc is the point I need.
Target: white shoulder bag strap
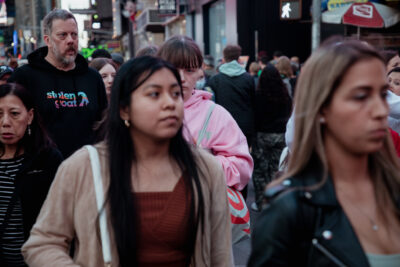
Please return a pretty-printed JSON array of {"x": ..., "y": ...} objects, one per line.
[{"x": 98, "y": 187}]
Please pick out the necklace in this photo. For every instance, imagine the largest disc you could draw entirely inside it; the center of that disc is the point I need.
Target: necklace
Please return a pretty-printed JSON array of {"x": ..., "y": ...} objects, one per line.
[{"x": 375, "y": 226}]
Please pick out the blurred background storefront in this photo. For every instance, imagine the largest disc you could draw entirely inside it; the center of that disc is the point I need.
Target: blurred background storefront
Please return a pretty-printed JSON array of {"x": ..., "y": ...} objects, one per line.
[{"x": 125, "y": 26}]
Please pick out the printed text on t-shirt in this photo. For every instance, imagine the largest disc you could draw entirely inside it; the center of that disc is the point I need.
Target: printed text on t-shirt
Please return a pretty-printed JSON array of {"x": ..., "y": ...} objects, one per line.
[{"x": 68, "y": 100}]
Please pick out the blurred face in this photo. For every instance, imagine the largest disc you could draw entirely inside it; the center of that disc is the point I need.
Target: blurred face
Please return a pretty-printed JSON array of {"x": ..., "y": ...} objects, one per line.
[
  {"x": 63, "y": 41},
  {"x": 14, "y": 119},
  {"x": 189, "y": 78},
  {"x": 156, "y": 108},
  {"x": 200, "y": 74},
  {"x": 201, "y": 81},
  {"x": 295, "y": 60},
  {"x": 108, "y": 73},
  {"x": 394, "y": 82},
  {"x": 356, "y": 118},
  {"x": 3, "y": 80},
  {"x": 393, "y": 63}
]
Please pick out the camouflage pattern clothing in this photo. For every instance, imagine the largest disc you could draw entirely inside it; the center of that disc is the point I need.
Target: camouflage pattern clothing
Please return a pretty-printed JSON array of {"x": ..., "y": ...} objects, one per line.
[{"x": 266, "y": 151}]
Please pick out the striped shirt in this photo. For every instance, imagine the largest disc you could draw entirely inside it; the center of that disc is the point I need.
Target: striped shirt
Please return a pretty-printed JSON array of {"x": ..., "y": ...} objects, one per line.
[{"x": 13, "y": 235}]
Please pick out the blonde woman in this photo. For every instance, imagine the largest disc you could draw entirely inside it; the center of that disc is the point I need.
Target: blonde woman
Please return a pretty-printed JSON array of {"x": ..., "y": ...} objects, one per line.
[{"x": 338, "y": 203}]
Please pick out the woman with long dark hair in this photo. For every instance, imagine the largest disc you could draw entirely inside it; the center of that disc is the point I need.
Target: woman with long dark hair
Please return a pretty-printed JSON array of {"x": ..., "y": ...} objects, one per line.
[
  {"x": 272, "y": 109},
  {"x": 28, "y": 163},
  {"x": 166, "y": 202},
  {"x": 338, "y": 204}
]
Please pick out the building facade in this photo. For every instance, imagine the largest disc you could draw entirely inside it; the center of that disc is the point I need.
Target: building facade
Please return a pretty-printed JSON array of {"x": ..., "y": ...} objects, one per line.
[
  {"x": 28, "y": 18},
  {"x": 212, "y": 24},
  {"x": 257, "y": 25}
]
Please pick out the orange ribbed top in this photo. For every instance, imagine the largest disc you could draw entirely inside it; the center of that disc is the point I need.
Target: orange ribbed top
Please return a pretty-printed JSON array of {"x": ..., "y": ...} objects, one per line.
[{"x": 163, "y": 218}]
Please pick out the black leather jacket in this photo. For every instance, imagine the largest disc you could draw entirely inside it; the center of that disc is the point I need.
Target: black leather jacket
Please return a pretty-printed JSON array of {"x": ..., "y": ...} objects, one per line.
[{"x": 303, "y": 227}]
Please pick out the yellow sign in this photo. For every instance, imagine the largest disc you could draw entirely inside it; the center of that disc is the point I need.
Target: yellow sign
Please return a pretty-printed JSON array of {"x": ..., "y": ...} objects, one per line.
[{"x": 333, "y": 4}]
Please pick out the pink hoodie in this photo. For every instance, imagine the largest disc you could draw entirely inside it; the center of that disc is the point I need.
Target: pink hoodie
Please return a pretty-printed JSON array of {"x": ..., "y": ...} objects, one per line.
[{"x": 223, "y": 138}]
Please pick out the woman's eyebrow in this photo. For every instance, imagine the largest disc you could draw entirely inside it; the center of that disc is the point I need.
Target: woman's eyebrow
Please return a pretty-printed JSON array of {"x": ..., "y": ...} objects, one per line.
[{"x": 156, "y": 85}]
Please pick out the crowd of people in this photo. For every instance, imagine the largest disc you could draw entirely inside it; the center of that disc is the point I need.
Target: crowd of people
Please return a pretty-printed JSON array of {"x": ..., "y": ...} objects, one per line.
[{"x": 127, "y": 163}]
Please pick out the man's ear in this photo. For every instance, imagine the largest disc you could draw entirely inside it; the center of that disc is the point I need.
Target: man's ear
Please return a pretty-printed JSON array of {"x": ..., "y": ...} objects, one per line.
[{"x": 46, "y": 39}]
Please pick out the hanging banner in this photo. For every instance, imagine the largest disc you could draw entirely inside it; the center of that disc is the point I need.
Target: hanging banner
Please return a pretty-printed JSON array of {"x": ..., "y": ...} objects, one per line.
[
  {"x": 15, "y": 40},
  {"x": 3, "y": 12},
  {"x": 333, "y": 4},
  {"x": 167, "y": 7}
]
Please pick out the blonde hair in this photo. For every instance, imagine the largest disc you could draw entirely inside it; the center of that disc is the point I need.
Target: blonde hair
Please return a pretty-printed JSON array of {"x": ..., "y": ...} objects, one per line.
[
  {"x": 320, "y": 77},
  {"x": 284, "y": 67},
  {"x": 254, "y": 67}
]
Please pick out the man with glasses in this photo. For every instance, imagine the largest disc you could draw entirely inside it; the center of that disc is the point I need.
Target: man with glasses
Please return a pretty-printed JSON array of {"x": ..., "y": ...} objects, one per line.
[{"x": 69, "y": 95}]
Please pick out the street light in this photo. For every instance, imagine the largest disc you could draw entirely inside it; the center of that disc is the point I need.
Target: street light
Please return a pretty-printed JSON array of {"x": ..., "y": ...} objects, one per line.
[{"x": 316, "y": 24}]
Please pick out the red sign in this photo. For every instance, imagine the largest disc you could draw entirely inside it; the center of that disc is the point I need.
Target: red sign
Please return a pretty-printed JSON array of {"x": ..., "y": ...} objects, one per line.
[
  {"x": 363, "y": 15},
  {"x": 113, "y": 45}
]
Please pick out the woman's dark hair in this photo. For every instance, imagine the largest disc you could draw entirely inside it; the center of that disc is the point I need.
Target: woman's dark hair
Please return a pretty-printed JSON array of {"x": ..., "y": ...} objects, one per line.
[
  {"x": 396, "y": 69},
  {"x": 273, "y": 104},
  {"x": 122, "y": 156},
  {"x": 38, "y": 140},
  {"x": 100, "y": 62},
  {"x": 270, "y": 84},
  {"x": 101, "y": 53},
  {"x": 182, "y": 52},
  {"x": 387, "y": 55}
]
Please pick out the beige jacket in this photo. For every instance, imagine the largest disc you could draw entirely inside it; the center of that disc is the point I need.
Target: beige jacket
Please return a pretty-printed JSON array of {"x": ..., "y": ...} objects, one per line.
[{"x": 70, "y": 211}]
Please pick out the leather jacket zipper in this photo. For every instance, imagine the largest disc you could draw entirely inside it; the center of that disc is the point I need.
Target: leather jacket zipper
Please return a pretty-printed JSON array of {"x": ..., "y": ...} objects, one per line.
[{"x": 327, "y": 253}]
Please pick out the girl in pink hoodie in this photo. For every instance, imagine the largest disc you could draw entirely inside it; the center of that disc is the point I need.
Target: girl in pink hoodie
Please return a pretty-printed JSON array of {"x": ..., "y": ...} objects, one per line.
[{"x": 221, "y": 136}]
